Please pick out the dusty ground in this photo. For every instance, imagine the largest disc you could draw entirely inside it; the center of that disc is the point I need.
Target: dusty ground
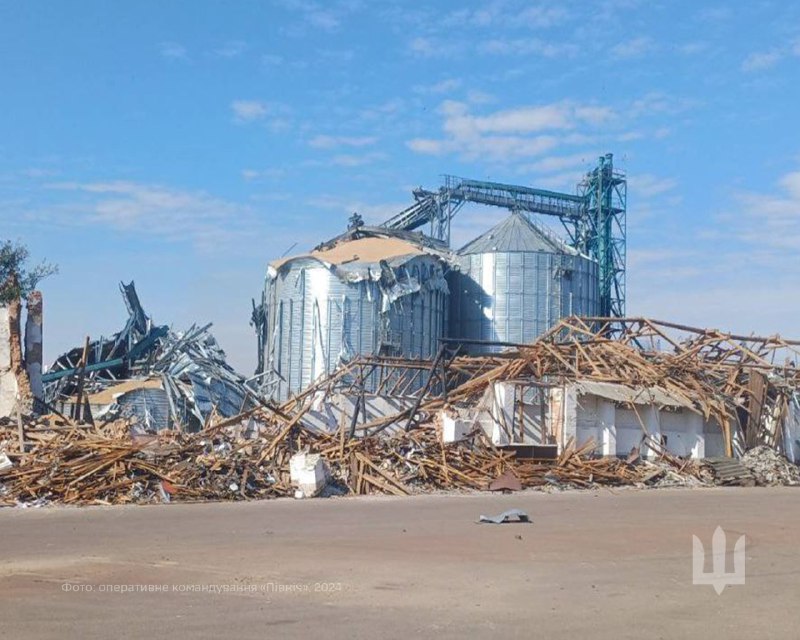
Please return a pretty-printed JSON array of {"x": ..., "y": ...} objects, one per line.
[{"x": 593, "y": 565}]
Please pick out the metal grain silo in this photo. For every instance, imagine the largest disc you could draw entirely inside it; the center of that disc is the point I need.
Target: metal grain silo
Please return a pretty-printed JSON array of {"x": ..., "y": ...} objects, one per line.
[
  {"x": 514, "y": 282},
  {"x": 369, "y": 292}
]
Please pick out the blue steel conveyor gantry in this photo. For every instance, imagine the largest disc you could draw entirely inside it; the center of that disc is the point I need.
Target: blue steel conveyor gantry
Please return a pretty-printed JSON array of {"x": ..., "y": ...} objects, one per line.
[{"x": 594, "y": 218}]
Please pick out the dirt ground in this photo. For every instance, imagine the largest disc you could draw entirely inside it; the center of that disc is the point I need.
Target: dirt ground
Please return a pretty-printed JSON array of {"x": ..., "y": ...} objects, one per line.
[{"x": 593, "y": 564}]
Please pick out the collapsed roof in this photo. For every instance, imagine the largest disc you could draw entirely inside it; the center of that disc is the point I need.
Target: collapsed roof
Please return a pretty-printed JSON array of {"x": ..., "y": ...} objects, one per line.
[
  {"x": 363, "y": 246},
  {"x": 164, "y": 378}
]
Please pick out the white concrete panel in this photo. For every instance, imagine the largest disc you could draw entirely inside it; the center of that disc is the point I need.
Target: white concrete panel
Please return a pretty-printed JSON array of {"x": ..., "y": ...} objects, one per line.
[{"x": 8, "y": 381}]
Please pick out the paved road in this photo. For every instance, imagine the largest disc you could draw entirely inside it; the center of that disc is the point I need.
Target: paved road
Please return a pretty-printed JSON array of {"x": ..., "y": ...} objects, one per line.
[{"x": 593, "y": 565}]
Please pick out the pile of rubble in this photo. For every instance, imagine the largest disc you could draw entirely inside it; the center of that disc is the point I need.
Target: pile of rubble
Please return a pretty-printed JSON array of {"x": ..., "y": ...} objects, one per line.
[
  {"x": 163, "y": 378},
  {"x": 115, "y": 464},
  {"x": 152, "y": 415},
  {"x": 769, "y": 468}
]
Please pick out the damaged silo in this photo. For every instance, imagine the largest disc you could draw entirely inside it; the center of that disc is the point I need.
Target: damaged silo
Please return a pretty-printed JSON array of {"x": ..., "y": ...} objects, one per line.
[
  {"x": 368, "y": 292},
  {"x": 514, "y": 282}
]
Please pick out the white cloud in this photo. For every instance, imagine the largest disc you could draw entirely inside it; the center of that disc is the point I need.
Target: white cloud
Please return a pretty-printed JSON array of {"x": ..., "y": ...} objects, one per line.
[
  {"x": 384, "y": 111},
  {"x": 231, "y": 49},
  {"x": 272, "y": 59},
  {"x": 323, "y": 19},
  {"x": 660, "y": 103},
  {"x": 630, "y": 136},
  {"x": 560, "y": 163},
  {"x": 511, "y": 134},
  {"x": 542, "y": 16},
  {"x": 693, "y": 48},
  {"x": 565, "y": 182},
  {"x": 373, "y": 213},
  {"x": 272, "y": 173},
  {"x": 443, "y": 86},
  {"x": 428, "y": 146},
  {"x": 646, "y": 185},
  {"x": 633, "y": 48},
  {"x": 528, "y": 46},
  {"x": 507, "y": 16},
  {"x": 332, "y": 142},
  {"x": 480, "y": 97},
  {"x": 173, "y": 51},
  {"x": 353, "y": 160},
  {"x": 428, "y": 47},
  {"x": 714, "y": 14},
  {"x": 560, "y": 115},
  {"x": 761, "y": 61},
  {"x": 483, "y": 17},
  {"x": 148, "y": 209},
  {"x": 316, "y": 14},
  {"x": 769, "y": 219},
  {"x": 739, "y": 275},
  {"x": 249, "y": 110}
]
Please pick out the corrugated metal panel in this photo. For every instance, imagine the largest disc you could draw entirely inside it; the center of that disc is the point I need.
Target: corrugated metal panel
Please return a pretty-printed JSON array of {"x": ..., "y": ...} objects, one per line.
[
  {"x": 514, "y": 234},
  {"x": 517, "y": 296},
  {"x": 331, "y": 320},
  {"x": 150, "y": 407}
]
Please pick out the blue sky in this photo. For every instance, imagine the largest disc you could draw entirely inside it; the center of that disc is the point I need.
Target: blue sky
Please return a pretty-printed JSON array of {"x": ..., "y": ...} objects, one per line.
[{"x": 185, "y": 144}]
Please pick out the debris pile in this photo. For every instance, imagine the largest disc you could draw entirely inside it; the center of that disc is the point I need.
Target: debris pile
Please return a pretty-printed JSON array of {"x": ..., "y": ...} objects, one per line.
[
  {"x": 729, "y": 472},
  {"x": 770, "y": 468},
  {"x": 235, "y": 446},
  {"x": 163, "y": 378},
  {"x": 113, "y": 464},
  {"x": 747, "y": 385}
]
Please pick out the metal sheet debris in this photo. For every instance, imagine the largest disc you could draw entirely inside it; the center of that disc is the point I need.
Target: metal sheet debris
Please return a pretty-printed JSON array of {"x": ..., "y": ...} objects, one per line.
[
  {"x": 71, "y": 460},
  {"x": 161, "y": 377},
  {"x": 512, "y": 515}
]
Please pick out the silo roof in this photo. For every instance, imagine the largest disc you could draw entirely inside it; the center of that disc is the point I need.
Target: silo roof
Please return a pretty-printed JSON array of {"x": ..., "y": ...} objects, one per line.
[
  {"x": 514, "y": 234},
  {"x": 365, "y": 247},
  {"x": 368, "y": 250}
]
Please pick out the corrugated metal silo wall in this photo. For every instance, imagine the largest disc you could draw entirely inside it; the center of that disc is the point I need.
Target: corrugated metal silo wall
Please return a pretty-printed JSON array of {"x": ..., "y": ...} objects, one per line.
[
  {"x": 515, "y": 297},
  {"x": 150, "y": 407},
  {"x": 316, "y": 321}
]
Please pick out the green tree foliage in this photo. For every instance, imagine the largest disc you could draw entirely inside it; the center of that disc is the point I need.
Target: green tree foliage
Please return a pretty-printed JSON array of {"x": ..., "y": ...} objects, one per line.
[{"x": 17, "y": 279}]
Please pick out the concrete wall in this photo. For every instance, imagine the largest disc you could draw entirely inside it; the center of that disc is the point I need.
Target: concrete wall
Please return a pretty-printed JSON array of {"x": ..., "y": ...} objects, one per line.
[
  {"x": 791, "y": 434},
  {"x": 506, "y": 404},
  {"x": 33, "y": 344},
  {"x": 8, "y": 380},
  {"x": 618, "y": 428}
]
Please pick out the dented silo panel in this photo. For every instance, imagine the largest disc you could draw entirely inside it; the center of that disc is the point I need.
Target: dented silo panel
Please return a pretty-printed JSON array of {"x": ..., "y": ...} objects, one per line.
[{"x": 367, "y": 294}]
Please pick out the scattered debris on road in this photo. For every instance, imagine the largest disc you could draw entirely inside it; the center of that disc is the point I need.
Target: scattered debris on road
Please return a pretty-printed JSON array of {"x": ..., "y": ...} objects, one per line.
[{"x": 512, "y": 515}]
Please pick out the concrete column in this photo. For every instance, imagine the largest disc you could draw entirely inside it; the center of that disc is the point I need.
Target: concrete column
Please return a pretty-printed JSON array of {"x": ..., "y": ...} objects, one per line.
[
  {"x": 33, "y": 344},
  {"x": 15, "y": 388},
  {"x": 652, "y": 424},
  {"x": 8, "y": 381},
  {"x": 694, "y": 433},
  {"x": 607, "y": 423},
  {"x": 570, "y": 409}
]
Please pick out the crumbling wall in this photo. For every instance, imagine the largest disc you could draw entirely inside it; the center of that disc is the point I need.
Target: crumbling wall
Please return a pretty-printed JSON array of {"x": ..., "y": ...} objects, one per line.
[
  {"x": 14, "y": 384},
  {"x": 8, "y": 381},
  {"x": 33, "y": 344},
  {"x": 791, "y": 436}
]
